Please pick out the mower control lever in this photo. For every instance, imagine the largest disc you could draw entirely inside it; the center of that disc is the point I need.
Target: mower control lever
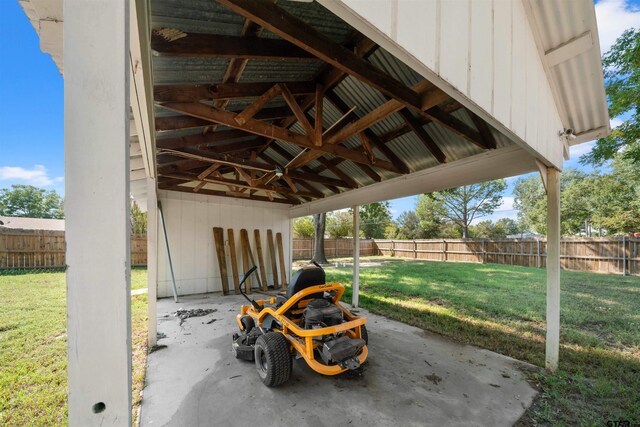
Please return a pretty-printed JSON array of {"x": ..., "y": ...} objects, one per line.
[{"x": 244, "y": 278}]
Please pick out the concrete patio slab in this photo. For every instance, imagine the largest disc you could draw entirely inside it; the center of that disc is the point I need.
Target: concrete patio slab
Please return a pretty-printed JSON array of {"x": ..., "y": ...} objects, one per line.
[{"x": 412, "y": 378}]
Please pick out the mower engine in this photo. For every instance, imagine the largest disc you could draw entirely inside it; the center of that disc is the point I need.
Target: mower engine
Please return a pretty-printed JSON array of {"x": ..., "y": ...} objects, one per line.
[
  {"x": 336, "y": 348},
  {"x": 321, "y": 313}
]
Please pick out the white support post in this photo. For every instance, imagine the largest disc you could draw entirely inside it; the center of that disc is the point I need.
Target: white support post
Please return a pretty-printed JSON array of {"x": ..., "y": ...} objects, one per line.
[
  {"x": 553, "y": 269},
  {"x": 356, "y": 257},
  {"x": 152, "y": 261},
  {"x": 97, "y": 206}
]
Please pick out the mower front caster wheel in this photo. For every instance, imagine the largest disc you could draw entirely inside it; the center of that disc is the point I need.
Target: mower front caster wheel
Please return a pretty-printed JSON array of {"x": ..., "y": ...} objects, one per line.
[{"x": 273, "y": 359}]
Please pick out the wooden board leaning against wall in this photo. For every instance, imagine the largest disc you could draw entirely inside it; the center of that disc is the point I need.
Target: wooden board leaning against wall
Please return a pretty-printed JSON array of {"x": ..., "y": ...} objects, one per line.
[{"x": 228, "y": 257}]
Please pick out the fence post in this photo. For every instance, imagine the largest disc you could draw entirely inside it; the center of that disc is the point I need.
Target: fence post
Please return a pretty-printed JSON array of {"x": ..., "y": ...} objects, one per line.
[
  {"x": 483, "y": 250},
  {"x": 415, "y": 250},
  {"x": 538, "y": 245},
  {"x": 393, "y": 248},
  {"x": 624, "y": 255},
  {"x": 444, "y": 250}
]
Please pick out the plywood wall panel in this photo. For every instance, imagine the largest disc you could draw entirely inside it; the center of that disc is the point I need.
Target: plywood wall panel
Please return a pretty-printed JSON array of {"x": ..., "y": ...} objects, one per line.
[{"x": 190, "y": 221}]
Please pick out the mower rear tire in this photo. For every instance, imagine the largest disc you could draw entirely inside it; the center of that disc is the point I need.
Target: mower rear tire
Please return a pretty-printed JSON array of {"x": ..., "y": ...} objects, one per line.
[
  {"x": 273, "y": 359},
  {"x": 364, "y": 334}
]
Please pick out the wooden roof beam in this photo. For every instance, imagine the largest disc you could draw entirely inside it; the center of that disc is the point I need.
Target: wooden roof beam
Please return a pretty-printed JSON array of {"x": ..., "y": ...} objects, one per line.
[
  {"x": 303, "y": 35},
  {"x": 223, "y": 91},
  {"x": 380, "y": 145},
  {"x": 423, "y": 136},
  {"x": 260, "y": 128},
  {"x": 195, "y": 140},
  {"x": 238, "y": 184},
  {"x": 182, "y": 122},
  {"x": 173, "y": 187},
  {"x": 455, "y": 125},
  {"x": 216, "y": 46}
]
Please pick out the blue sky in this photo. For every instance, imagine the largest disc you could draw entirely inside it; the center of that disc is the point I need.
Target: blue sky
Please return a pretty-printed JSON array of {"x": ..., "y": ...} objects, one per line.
[{"x": 31, "y": 102}]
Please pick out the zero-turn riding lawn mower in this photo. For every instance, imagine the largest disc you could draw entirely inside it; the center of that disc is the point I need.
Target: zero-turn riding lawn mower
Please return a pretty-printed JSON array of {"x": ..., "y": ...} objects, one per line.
[{"x": 307, "y": 321}]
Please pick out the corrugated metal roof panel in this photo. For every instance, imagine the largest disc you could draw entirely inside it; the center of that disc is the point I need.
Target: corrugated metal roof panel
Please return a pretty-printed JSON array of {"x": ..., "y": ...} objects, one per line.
[{"x": 578, "y": 81}]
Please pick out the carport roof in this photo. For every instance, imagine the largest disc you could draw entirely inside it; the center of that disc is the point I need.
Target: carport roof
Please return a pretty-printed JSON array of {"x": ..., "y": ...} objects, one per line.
[{"x": 206, "y": 55}]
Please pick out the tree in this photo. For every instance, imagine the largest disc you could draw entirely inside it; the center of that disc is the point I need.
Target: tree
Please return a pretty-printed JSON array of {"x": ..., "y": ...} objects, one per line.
[
  {"x": 374, "y": 219},
  {"x": 339, "y": 224},
  {"x": 408, "y": 226},
  {"x": 464, "y": 204},
  {"x": 31, "y": 202},
  {"x": 489, "y": 230},
  {"x": 622, "y": 82},
  {"x": 530, "y": 201},
  {"x": 430, "y": 213},
  {"x": 615, "y": 198},
  {"x": 609, "y": 202},
  {"x": 138, "y": 219},
  {"x": 303, "y": 227},
  {"x": 319, "y": 224}
]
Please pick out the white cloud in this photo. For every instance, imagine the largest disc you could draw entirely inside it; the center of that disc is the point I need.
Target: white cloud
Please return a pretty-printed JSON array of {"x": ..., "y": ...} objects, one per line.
[
  {"x": 615, "y": 16},
  {"x": 615, "y": 122},
  {"x": 37, "y": 175},
  {"x": 581, "y": 149},
  {"x": 506, "y": 205}
]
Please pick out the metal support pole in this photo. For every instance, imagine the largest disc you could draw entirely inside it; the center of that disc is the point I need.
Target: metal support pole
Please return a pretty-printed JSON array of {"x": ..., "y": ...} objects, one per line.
[
  {"x": 356, "y": 256},
  {"x": 166, "y": 242}
]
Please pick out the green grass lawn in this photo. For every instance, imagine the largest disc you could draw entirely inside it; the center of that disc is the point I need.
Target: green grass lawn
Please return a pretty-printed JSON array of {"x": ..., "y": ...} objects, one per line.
[
  {"x": 33, "y": 347},
  {"x": 502, "y": 308}
]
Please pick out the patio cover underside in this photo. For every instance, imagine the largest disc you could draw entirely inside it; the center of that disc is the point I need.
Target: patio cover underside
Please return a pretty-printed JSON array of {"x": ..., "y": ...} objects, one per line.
[{"x": 289, "y": 104}]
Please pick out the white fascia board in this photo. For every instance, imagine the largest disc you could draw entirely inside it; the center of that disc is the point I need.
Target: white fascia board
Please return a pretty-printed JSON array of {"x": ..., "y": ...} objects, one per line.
[
  {"x": 590, "y": 135},
  {"x": 569, "y": 49},
  {"x": 495, "y": 164}
]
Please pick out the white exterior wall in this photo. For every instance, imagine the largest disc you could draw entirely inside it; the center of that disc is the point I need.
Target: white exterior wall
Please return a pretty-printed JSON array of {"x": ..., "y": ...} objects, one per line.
[
  {"x": 481, "y": 52},
  {"x": 190, "y": 219}
]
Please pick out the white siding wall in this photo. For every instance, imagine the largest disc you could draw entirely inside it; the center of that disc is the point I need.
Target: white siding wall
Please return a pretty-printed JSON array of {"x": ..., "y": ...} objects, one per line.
[
  {"x": 190, "y": 221},
  {"x": 481, "y": 51}
]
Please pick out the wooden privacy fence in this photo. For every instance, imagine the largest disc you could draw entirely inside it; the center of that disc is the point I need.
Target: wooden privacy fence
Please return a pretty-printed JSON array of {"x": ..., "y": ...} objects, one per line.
[
  {"x": 46, "y": 249},
  {"x": 601, "y": 255},
  {"x": 333, "y": 248}
]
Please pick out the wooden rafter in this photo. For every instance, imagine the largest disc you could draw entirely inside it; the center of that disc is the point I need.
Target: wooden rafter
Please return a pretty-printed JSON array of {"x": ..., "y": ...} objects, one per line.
[
  {"x": 307, "y": 173},
  {"x": 303, "y": 35},
  {"x": 423, "y": 136},
  {"x": 209, "y": 171},
  {"x": 186, "y": 122},
  {"x": 208, "y": 157},
  {"x": 257, "y": 127},
  {"x": 217, "y": 46},
  {"x": 484, "y": 129},
  {"x": 238, "y": 184},
  {"x": 223, "y": 91},
  {"x": 297, "y": 111},
  {"x": 329, "y": 76},
  {"x": 304, "y": 176},
  {"x": 252, "y": 109},
  {"x": 380, "y": 145},
  {"x": 195, "y": 140},
  {"x": 317, "y": 134},
  {"x": 173, "y": 187},
  {"x": 455, "y": 125}
]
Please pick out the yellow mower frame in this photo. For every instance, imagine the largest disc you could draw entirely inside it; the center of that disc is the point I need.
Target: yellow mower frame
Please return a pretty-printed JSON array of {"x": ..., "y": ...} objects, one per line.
[{"x": 302, "y": 339}]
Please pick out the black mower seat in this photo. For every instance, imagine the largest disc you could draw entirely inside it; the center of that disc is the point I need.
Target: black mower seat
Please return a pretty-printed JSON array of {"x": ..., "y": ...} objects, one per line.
[{"x": 307, "y": 276}]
